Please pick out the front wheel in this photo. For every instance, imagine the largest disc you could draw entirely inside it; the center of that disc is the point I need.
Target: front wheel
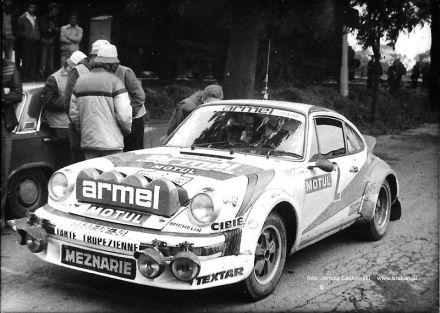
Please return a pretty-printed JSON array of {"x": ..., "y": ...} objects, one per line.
[
  {"x": 270, "y": 256},
  {"x": 27, "y": 192}
]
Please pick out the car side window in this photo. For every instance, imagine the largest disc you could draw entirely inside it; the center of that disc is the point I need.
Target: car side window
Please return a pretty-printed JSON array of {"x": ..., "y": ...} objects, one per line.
[
  {"x": 354, "y": 142},
  {"x": 31, "y": 111},
  {"x": 330, "y": 134}
]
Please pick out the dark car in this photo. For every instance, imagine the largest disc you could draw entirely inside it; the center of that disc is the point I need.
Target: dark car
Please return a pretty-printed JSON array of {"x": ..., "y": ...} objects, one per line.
[{"x": 35, "y": 155}]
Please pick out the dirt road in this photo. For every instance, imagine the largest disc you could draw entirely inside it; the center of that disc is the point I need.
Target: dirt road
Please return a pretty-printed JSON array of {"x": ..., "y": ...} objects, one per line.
[{"x": 341, "y": 273}]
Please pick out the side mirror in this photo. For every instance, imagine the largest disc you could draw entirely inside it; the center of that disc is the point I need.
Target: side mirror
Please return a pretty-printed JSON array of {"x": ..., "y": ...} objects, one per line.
[{"x": 322, "y": 164}]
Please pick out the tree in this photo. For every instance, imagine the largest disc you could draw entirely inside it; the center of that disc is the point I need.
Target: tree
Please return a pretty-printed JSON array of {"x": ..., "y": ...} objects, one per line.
[
  {"x": 434, "y": 84},
  {"x": 385, "y": 18}
]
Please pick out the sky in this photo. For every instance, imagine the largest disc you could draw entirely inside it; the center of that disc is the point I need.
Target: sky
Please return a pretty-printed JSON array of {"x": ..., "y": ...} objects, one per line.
[{"x": 418, "y": 41}]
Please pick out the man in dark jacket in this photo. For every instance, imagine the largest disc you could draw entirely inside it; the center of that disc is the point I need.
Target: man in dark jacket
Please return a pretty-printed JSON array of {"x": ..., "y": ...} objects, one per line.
[
  {"x": 49, "y": 30},
  {"x": 186, "y": 106},
  {"x": 28, "y": 35},
  {"x": 11, "y": 95}
]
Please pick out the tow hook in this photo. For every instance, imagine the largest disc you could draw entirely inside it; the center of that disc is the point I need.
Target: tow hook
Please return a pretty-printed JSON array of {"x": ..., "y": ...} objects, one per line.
[{"x": 30, "y": 233}]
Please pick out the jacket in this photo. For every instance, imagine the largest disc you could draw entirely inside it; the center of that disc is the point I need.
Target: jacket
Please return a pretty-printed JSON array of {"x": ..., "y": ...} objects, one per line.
[
  {"x": 100, "y": 108},
  {"x": 52, "y": 97},
  {"x": 134, "y": 89},
  {"x": 26, "y": 30},
  {"x": 10, "y": 80},
  {"x": 72, "y": 77},
  {"x": 70, "y": 37},
  {"x": 183, "y": 109},
  {"x": 49, "y": 29}
]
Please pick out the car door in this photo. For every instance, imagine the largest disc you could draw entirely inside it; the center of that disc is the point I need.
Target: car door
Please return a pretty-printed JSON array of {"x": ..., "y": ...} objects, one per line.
[{"x": 335, "y": 204}]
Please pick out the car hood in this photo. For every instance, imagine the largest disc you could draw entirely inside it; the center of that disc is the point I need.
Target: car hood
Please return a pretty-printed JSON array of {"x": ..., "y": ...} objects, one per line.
[{"x": 159, "y": 183}]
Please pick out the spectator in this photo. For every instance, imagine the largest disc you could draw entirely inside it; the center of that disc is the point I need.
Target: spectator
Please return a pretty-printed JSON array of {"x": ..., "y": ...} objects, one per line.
[
  {"x": 11, "y": 95},
  {"x": 100, "y": 107},
  {"x": 49, "y": 30},
  {"x": 392, "y": 81},
  {"x": 83, "y": 67},
  {"x": 78, "y": 62},
  {"x": 415, "y": 74},
  {"x": 70, "y": 37},
  {"x": 400, "y": 71},
  {"x": 135, "y": 140},
  {"x": 186, "y": 106},
  {"x": 373, "y": 71},
  {"x": 52, "y": 98},
  {"x": 28, "y": 35},
  {"x": 7, "y": 33}
]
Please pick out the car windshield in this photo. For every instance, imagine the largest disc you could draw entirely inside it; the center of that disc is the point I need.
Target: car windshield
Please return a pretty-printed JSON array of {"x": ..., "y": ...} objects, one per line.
[{"x": 243, "y": 128}]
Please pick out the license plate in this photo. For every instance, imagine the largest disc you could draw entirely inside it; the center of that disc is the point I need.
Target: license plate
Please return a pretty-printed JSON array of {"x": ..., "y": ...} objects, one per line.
[{"x": 98, "y": 262}]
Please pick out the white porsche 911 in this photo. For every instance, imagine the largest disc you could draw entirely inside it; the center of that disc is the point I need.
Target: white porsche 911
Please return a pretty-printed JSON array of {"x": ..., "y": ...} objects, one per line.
[{"x": 237, "y": 187}]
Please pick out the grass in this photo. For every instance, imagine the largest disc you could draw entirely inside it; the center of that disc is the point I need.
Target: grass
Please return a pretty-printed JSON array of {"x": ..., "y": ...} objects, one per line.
[{"x": 407, "y": 108}]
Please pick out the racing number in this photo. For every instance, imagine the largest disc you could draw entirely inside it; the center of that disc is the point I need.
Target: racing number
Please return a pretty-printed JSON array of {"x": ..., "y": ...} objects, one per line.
[{"x": 338, "y": 178}]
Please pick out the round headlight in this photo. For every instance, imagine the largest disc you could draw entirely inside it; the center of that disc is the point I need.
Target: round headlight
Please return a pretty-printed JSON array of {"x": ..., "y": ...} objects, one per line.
[
  {"x": 201, "y": 209},
  {"x": 151, "y": 263},
  {"x": 185, "y": 266},
  {"x": 59, "y": 188}
]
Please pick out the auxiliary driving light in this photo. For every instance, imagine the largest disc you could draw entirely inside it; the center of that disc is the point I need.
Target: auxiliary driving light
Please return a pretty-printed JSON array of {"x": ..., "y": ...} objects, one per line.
[
  {"x": 36, "y": 239},
  {"x": 151, "y": 263},
  {"x": 185, "y": 266}
]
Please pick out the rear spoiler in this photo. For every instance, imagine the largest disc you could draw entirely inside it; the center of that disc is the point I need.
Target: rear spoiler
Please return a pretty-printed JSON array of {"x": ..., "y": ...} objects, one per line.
[{"x": 371, "y": 142}]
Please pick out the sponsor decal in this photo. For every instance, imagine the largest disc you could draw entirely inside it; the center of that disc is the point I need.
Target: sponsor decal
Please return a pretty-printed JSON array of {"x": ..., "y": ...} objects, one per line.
[
  {"x": 171, "y": 168},
  {"x": 65, "y": 233},
  {"x": 235, "y": 223},
  {"x": 127, "y": 196},
  {"x": 176, "y": 178},
  {"x": 99, "y": 228},
  {"x": 248, "y": 109},
  {"x": 98, "y": 262},
  {"x": 118, "y": 215},
  {"x": 188, "y": 227},
  {"x": 201, "y": 280},
  {"x": 117, "y": 244},
  {"x": 318, "y": 183}
]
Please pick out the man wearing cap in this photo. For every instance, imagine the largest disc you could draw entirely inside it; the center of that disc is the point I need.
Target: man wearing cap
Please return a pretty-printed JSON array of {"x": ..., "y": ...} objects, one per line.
[
  {"x": 100, "y": 107},
  {"x": 79, "y": 68},
  {"x": 49, "y": 30},
  {"x": 186, "y": 106}
]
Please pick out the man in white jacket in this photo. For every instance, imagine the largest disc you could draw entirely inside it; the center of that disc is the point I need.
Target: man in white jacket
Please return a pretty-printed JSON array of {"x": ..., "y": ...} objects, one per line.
[{"x": 100, "y": 107}]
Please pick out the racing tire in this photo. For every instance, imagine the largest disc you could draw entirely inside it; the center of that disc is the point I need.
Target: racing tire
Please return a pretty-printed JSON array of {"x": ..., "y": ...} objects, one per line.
[
  {"x": 27, "y": 192},
  {"x": 378, "y": 225},
  {"x": 270, "y": 256}
]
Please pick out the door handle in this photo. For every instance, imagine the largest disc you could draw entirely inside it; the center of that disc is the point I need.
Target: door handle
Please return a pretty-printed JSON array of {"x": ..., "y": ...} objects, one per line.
[
  {"x": 354, "y": 169},
  {"x": 47, "y": 139}
]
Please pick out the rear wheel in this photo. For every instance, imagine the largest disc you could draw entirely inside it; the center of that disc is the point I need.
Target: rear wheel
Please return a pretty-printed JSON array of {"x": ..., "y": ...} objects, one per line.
[
  {"x": 27, "y": 192},
  {"x": 378, "y": 225},
  {"x": 270, "y": 256}
]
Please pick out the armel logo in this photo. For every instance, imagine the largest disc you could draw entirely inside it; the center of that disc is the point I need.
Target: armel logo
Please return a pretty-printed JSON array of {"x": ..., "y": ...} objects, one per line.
[
  {"x": 318, "y": 183},
  {"x": 159, "y": 196}
]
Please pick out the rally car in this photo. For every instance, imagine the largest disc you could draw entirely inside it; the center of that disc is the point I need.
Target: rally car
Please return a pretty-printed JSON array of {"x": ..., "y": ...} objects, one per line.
[{"x": 237, "y": 187}]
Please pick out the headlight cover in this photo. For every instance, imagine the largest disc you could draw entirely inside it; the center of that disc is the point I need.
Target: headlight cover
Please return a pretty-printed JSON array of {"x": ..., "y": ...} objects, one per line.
[
  {"x": 59, "y": 187},
  {"x": 201, "y": 210}
]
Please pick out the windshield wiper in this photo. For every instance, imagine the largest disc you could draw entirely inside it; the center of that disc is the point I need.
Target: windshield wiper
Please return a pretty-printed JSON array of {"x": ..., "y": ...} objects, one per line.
[{"x": 281, "y": 152}]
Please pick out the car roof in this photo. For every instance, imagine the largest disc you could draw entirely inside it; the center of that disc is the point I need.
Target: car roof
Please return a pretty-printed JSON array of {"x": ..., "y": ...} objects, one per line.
[{"x": 296, "y": 106}]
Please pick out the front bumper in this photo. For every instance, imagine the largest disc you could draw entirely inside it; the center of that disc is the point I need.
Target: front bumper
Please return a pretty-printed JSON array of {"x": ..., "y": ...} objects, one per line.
[{"x": 109, "y": 249}]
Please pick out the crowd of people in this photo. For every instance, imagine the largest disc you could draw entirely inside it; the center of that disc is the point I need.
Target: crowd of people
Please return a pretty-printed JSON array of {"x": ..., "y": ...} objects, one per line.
[
  {"x": 395, "y": 73},
  {"x": 35, "y": 39}
]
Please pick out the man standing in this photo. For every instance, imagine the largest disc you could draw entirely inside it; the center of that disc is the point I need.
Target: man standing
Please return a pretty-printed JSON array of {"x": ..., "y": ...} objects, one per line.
[
  {"x": 28, "y": 35},
  {"x": 100, "y": 107},
  {"x": 135, "y": 140},
  {"x": 82, "y": 68},
  {"x": 11, "y": 95},
  {"x": 49, "y": 30},
  {"x": 70, "y": 37},
  {"x": 186, "y": 106},
  {"x": 52, "y": 98},
  {"x": 7, "y": 33}
]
